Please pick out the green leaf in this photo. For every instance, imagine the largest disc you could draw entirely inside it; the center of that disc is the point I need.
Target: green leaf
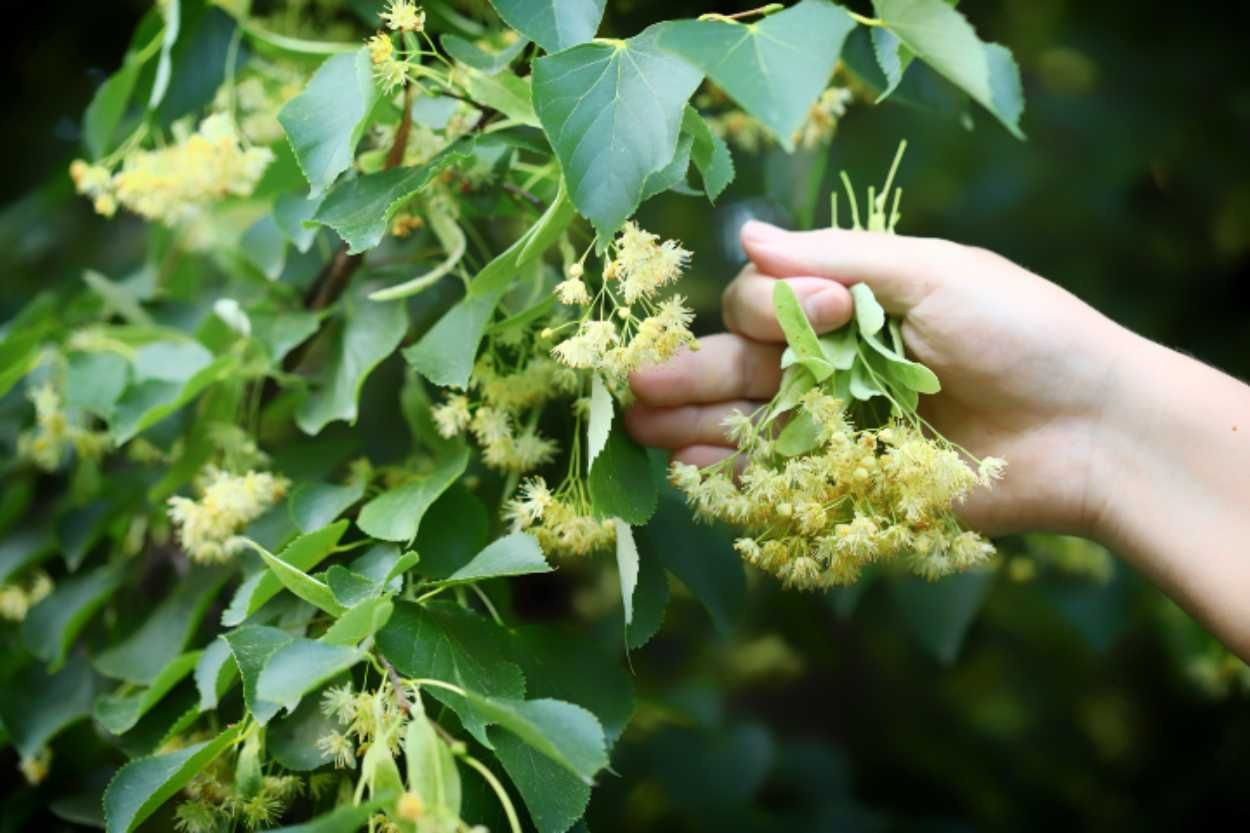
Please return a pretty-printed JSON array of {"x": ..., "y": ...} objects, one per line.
[
  {"x": 37, "y": 705},
  {"x": 517, "y": 554},
  {"x": 396, "y": 515},
  {"x": 471, "y": 55},
  {"x": 869, "y": 314},
  {"x": 451, "y": 544},
  {"x": 214, "y": 673},
  {"x": 701, "y": 557},
  {"x": 144, "y": 784},
  {"x": 282, "y": 332},
  {"x": 118, "y": 298},
  {"x": 939, "y": 613},
  {"x": 164, "y": 64},
  {"x": 80, "y": 527},
  {"x": 709, "y": 153},
  {"x": 368, "y": 334},
  {"x": 621, "y": 482},
  {"x": 800, "y": 435},
  {"x": 444, "y": 641},
  {"x": 314, "y": 505},
  {"x": 567, "y": 734},
  {"x": 324, "y": 122},
  {"x": 840, "y": 347},
  {"x": 626, "y": 566},
  {"x": 552, "y": 24},
  {"x": 94, "y": 382},
  {"x": 252, "y": 647},
  {"x": 672, "y": 175},
  {"x": 361, "y": 621},
  {"x": 52, "y": 625},
  {"x": 505, "y": 92},
  {"x": 599, "y": 424},
  {"x": 612, "y": 112},
  {"x": 944, "y": 39},
  {"x": 263, "y": 245},
  {"x": 299, "y": 666},
  {"x": 24, "y": 548},
  {"x": 304, "y": 553},
  {"x": 360, "y": 209},
  {"x": 800, "y": 336},
  {"x": 119, "y": 713},
  {"x": 912, "y": 375},
  {"x": 431, "y": 769},
  {"x": 311, "y": 590},
  {"x": 554, "y": 796},
  {"x": 347, "y": 818},
  {"x": 446, "y": 353},
  {"x": 775, "y": 68},
  {"x": 290, "y": 213},
  {"x": 349, "y": 587},
  {"x": 146, "y": 403},
  {"x": 571, "y": 664},
  {"x": 107, "y": 107},
  {"x": 142, "y": 656},
  {"x": 863, "y": 385},
  {"x": 650, "y": 600},
  {"x": 291, "y": 740}
]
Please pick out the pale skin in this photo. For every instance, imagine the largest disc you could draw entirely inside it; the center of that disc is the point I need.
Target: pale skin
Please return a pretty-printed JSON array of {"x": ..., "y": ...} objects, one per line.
[{"x": 1107, "y": 435}]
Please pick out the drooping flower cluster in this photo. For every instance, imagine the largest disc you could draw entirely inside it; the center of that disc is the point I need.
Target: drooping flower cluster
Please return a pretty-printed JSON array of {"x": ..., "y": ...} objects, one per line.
[
  {"x": 207, "y": 528},
  {"x": 562, "y": 522},
  {"x": 624, "y": 326},
  {"x": 216, "y": 801},
  {"x": 364, "y": 717},
  {"x": 56, "y": 432},
  {"x": 18, "y": 597},
  {"x": 858, "y": 497},
  {"x": 172, "y": 184},
  {"x": 496, "y": 416},
  {"x": 404, "y": 16},
  {"x": 822, "y": 120}
]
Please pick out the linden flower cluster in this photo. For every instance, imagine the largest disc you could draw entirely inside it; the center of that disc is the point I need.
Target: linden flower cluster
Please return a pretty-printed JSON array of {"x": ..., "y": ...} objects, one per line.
[
  {"x": 54, "y": 433},
  {"x": 216, "y": 803},
  {"x": 364, "y": 718},
  {"x": 207, "y": 527},
  {"x": 18, "y": 597},
  {"x": 404, "y": 16},
  {"x": 562, "y": 522},
  {"x": 817, "y": 519},
  {"x": 495, "y": 414},
  {"x": 624, "y": 327},
  {"x": 171, "y": 184}
]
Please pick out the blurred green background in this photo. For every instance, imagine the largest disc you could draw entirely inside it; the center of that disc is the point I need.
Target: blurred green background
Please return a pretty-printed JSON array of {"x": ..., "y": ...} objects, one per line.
[{"x": 1073, "y": 703}]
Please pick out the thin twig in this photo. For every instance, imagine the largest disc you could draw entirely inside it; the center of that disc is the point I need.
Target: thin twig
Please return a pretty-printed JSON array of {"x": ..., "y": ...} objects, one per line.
[
  {"x": 397, "y": 683},
  {"x": 518, "y": 191}
]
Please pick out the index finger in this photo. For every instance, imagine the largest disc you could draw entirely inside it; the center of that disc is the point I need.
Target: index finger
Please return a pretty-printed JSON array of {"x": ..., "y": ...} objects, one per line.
[{"x": 901, "y": 271}]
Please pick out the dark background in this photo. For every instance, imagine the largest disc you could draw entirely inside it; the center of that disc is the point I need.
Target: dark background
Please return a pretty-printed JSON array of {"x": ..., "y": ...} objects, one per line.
[{"x": 1068, "y": 708}]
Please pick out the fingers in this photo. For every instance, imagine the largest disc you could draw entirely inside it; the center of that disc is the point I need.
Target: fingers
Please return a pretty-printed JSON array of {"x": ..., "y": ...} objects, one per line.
[
  {"x": 724, "y": 368},
  {"x": 747, "y": 304},
  {"x": 900, "y": 270},
  {"x": 677, "y": 428}
]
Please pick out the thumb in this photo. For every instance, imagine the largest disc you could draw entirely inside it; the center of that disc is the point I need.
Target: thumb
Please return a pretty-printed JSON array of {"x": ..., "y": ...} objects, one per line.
[{"x": 899, "y": 270}]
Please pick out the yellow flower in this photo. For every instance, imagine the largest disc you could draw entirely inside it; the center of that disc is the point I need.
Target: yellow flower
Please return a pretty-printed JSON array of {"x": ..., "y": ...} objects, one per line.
[
  {"x": 381, "y": 48},
  {"x": 452, "y": 417},
  {"x": 404, "y": 16},
  {"x": 207, "y": 527}
]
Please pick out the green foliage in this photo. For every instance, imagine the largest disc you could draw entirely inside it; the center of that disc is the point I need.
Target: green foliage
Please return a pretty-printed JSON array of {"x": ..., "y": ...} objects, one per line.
[{"x": 237, "y": 412}]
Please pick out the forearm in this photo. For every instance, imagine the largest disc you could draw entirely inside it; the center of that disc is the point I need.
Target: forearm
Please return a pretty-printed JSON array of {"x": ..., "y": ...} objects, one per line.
[{"x": 1173, "y": 483}]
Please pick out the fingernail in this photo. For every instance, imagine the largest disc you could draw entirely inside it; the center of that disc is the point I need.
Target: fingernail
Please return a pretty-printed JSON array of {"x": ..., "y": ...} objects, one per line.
[
  {"x": 759, "y": 230},
  {"x": 822, "y": 310}
]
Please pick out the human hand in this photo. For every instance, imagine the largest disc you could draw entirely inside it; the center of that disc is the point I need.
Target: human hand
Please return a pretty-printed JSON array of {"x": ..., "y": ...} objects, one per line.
[{"x": 1025, "y": 366}]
